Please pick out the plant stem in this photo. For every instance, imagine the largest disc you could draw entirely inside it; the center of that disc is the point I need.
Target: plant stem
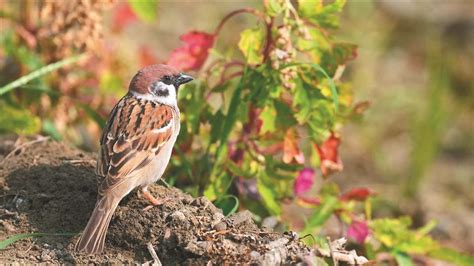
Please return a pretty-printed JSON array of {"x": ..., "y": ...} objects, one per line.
[{"x": 39, "y": 72}]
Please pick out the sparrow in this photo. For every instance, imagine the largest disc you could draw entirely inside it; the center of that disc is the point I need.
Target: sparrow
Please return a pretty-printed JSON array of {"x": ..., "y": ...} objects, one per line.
[{"x": 135, "y": 146}]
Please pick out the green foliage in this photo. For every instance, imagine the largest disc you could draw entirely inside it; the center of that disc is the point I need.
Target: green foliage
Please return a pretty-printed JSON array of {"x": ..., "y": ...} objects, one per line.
[
  {"x": 5, "y": 243},
  {"x": 145, "y": 9},
  {"x": 395, "y": 234},
  {"x": 20, "y": 121},
  {"x": 321, "y": 214},
  {"x": 39, "y": 73},
  {"x": 397, "y": 238},
  {"x": 251, "y": 44},
  {"x": 324, "y": 15}
]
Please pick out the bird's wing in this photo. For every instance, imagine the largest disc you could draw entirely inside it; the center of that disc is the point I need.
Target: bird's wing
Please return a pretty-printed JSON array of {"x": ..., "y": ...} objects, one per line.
[{"x": 135, "y": 133}]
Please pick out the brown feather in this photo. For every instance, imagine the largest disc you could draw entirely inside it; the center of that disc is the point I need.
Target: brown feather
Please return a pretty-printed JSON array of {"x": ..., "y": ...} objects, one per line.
[{"x": 129, "y": 145}]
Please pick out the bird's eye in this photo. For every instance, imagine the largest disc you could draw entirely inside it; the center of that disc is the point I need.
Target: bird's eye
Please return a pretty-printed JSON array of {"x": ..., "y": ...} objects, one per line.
[{"x": 168, "y": 80}]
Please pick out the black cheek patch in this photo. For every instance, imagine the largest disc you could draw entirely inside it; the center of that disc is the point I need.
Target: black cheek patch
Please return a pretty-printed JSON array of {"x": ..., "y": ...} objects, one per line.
[
  {"x": 159, "y": 91},
  {"x": 162, "y": 92}
]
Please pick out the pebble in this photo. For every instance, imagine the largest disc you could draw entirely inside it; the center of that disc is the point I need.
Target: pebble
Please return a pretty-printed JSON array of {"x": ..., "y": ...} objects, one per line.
[
  {"x": 220, "y": 226},
  {"x": 178, "y": 216},
  {"x": 255, "y": 255}
]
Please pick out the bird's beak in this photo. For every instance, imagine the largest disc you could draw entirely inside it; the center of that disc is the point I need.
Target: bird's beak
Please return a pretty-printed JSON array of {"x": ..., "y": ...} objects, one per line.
[{"x": 182, "y": 79}]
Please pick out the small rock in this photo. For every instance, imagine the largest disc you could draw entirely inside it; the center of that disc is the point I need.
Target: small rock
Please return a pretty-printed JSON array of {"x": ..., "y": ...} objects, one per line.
[
  {"x": 198, "y": 247},
  {"x": 254, "y": 255},
  {"x": 8, "y": 226},
  {"x": 200, "y": 202},
  {"x": 270, "y": 222},
  {"x": 167, "y": 233},
  {"x": 59, "y": 246},
  {"x": 241, "y": 217},
  {"x": 187, "y": 200},
  {"x": 220, "y": 226},
  {"x": 178, "y": 216},
  {"x": 45, "y": 256}
]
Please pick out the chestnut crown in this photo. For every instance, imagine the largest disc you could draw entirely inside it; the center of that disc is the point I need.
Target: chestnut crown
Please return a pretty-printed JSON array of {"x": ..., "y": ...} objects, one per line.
[{"x": 158, "y": 80}]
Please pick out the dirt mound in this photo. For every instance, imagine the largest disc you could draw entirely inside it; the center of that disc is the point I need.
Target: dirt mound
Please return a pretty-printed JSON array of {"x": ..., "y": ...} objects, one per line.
[{"x": 48, "y": 187}]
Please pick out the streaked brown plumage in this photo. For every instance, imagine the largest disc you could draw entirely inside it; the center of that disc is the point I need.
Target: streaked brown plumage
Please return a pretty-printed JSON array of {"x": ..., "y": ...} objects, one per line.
[{"x": 136, "y": 146}]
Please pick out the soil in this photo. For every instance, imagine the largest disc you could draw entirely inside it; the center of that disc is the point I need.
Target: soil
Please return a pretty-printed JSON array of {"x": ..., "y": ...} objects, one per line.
[{"x": 49, "y": 187}]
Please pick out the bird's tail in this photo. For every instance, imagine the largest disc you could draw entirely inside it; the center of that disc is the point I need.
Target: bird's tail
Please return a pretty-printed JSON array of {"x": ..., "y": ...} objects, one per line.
[{"x": 93, "y": 238}]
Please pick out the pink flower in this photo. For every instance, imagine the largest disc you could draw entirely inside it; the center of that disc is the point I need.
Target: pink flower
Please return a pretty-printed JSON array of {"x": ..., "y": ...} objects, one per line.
[
  {"x": 358, "y": 231},
  {"x": 194, "y": 52},
  {"x": 304, "y": 181}
]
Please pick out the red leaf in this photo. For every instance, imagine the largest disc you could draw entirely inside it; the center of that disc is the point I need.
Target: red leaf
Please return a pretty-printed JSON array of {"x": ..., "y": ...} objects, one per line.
[
  {"x": 328, "y": 155},
  {"x": 304, "y": 181},
  {"x": 290, "y": 148},
  {"x": 122, "y": 16},
  {"x": 194, "y": 52},
  {"x": 358, "y": 231},
  {"x": 358, "y": 194}
]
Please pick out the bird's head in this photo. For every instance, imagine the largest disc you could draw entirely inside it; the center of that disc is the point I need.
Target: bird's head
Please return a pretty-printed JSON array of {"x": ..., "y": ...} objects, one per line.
[{"x": 159, "y": 83}]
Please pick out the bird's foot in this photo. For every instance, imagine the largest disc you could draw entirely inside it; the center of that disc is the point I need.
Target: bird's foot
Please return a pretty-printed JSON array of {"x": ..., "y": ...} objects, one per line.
[{"x": 154, "y": 201}]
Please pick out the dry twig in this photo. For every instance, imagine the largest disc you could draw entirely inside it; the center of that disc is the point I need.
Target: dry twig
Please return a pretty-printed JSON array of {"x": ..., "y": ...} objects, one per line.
[
  {"x": 39, "y": 139},
  {"x": 338, "y": 253},
  {"x": 156, "y": 260}
]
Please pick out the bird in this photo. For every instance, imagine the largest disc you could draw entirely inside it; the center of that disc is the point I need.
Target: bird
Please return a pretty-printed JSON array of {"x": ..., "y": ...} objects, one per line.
[{"x": 135, "y": 146}]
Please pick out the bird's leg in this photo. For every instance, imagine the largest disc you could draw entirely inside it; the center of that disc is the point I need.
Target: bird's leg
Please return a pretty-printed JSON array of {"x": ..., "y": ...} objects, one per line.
[{"x": 154, "y": 202}]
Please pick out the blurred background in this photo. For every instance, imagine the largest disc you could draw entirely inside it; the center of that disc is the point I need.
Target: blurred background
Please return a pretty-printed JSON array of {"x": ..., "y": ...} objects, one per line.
[
  {"x": 416, "y": 142},
  {"x": 415, "y": 65}
]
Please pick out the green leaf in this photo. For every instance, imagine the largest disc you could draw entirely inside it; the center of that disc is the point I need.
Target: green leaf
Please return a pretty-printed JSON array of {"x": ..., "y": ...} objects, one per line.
[
  {"x": 251, "y": 45},
  {"x": 18, "y": 121},
  {"x": 452, "y": 256},
  {"x": 219, "y": 186},
  {"x": 274, "y": 7},
  {"x": 317, "y": 43},
  {"x": 321, "y": 214},
  {"x": 50, "y": 129},
  {"x": 317, "y": 67},
  {"x": 395, "y": 234},
  {"x": 93, "y": 114},
  {"x": 309, "y": 8},
  {"x": 5, "y": 243},
  {"x": 402, "y": 258},
  {"x": 146, "y": 10},
  {"x": 236, "y": 170},
  {"x": 231, "y": 117},
  {"x": 324, "y": 15},
  {"x": 228, "y": 204},
  {"x": 268, "y": 116},
  {"x": 266, "y": 190},
  {"x": 39, "y": 72},
  {"x": 217, "y": 120}
]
